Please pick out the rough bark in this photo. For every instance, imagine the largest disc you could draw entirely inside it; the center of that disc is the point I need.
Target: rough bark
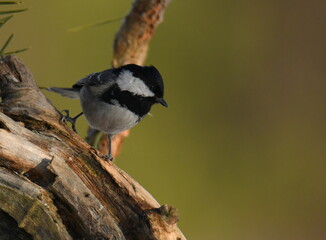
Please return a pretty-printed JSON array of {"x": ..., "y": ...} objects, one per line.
[
  {"x": 131, "y": 46},
  {"x": 55, "y": 185}
]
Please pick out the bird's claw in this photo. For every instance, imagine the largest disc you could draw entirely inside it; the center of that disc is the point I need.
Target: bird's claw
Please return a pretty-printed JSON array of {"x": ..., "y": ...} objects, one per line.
[
  {"x": 107, "y": 157},
  {"x": 67, "y": 118}
]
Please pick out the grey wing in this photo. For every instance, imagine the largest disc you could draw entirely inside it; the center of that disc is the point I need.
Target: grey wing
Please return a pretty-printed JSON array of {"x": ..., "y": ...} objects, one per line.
[
  {"x": 81, "y": 82},
  {"x": 95, "y": 80},
  {"x": 100, "y": 78}
]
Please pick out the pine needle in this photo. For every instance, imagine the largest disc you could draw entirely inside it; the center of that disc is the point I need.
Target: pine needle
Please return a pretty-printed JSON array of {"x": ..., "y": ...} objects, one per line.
[
  {"x": 91, "y": 25},
  {"x": 4, "y": 20},
  {"x": 9, "y": 2},
  {"x": 16, "y": 51},
  {"x": 13, "y": 11},
  {"x": 6, "y": 44}
]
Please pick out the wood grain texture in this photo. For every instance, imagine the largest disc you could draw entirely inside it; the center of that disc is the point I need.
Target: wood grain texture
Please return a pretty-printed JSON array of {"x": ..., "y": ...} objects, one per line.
[{"x": 55, "y": 185}]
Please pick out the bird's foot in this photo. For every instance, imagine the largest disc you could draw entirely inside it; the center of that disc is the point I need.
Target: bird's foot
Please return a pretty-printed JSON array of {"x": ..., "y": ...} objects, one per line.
[
  {"x": 107, "y": 157},
  {"x": 67, "y": 118}
]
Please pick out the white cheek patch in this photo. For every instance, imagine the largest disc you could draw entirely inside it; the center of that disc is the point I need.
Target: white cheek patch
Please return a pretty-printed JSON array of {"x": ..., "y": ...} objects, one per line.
[{"x": 127, "y": 82}]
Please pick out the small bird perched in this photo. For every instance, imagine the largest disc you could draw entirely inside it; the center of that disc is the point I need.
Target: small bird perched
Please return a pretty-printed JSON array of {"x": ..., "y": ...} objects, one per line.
[{"x": 116, "y": 99}]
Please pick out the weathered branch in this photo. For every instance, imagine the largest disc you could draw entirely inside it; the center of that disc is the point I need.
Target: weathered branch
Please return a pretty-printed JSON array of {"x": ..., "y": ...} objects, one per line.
[
  {"x": 54, "y": 185},
  {"x": 131, "y": 42}
]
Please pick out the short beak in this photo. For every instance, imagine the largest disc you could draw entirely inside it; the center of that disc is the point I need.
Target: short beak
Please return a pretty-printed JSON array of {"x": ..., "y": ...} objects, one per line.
[{"x": 163, "y": 102}]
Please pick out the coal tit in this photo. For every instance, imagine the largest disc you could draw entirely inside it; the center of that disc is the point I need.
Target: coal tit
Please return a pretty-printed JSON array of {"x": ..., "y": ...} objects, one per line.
[{"x": 116, "y": 99}]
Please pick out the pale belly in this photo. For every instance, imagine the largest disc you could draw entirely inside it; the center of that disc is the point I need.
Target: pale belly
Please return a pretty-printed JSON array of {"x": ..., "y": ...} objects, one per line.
[{"x": 108, "y": 118}]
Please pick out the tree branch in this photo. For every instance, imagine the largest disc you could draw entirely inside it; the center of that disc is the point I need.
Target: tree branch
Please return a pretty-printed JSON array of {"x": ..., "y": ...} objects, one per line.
[{"x": 131, "y": 42}]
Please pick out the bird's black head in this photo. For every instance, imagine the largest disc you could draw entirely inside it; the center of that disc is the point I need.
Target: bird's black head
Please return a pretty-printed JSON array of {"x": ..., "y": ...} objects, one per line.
[
  {"x": 136, "y": 88},
  {"x": 151, "y": 78}
]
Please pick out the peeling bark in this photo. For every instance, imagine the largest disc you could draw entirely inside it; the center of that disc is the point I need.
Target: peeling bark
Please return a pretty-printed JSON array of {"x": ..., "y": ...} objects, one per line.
[{"x": 55, "y": 185}]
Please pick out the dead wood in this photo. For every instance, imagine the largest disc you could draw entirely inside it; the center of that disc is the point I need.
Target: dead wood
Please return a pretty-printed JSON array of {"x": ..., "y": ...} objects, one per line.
[{"x": 53, "y": 185}]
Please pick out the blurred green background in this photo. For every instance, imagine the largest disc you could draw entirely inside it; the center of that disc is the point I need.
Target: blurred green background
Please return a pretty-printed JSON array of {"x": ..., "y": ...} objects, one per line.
[{"x": 241, "y": 150}]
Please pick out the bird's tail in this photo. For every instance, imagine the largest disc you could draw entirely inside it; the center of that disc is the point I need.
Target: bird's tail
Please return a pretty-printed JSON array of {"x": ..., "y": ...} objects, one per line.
[{"x": 72, "y": 93}]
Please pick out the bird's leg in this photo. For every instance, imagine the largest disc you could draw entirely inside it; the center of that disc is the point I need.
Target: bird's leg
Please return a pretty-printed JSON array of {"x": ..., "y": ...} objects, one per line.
[
  {"x": 108, "y": 156},
  {"x": 91, "y": 136},
  {"x": 67, "y": 118}
]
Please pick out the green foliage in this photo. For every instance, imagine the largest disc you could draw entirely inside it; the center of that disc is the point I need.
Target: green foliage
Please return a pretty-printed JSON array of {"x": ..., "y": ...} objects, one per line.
[
  {"x": 6, "y": 44},
  {"x": 9, "y": 2},
  {"x": 14, "y": 52},
  {"x": 4, "y": 20},
  {"x": 12, "y": 11}
]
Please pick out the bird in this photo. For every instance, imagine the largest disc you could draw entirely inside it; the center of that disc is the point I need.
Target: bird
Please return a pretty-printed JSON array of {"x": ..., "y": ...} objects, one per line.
[{"x": 115, "y": 99}]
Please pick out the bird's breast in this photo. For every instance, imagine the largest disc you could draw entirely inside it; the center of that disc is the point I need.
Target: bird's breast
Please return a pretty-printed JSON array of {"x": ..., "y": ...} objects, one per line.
[{"x": 111, "y": 119}]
